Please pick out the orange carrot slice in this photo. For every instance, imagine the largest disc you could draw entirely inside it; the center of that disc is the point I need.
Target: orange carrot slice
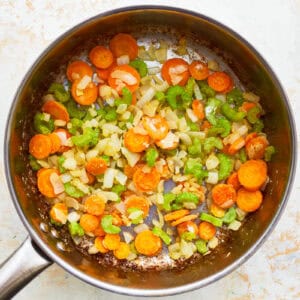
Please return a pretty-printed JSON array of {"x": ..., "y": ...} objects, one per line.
[
  {"x": 255, "y": 147},
  {"x": 233, "y": 179},
  {"x": 199, "y": 70},
  {"x": 249, "y": 201},
  {"x": 44, "y": 183},
  {"x": 175, "y": 71},
  {"x": 148, "y": 243},
  {"x": 111, "y": 241},
  {"x": 177, "y": 214},
  {"x": 184, "y": 219},
  {"x": 219, "y": 81},
  {"x": 89, "y": 222},
  {"x": 40, "y": 146},
  {"x": 136, "y": 142},
  {"x": 124, "y": 44},
  {"x": 157, "y": 127},
  {"x": 96, "y": 166},
  {"x": 101, "y": 57},
  {"x": 78, "y": 69},
  {"x": 207, "y": 231},
  {"x": 94, "y": 205},
  {"x": 146, "y": 181},
  {"x": 99, "y": 245},
  {"x": 223, "y": 195},
  {"x": 122, "y": 251},
  {"x": 188, "y": 226},
  {"x": 139, "y": 203},
  {"x": 56, "y": 110},
  {"x": 86, "y": 96},
  {"x": 198, "y": 109}
]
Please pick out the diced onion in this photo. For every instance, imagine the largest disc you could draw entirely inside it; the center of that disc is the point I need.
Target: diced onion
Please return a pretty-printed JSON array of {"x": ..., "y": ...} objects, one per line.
[
  {"x": 235, "y": 225},
  {"x": 121, "y": 207},
  {"x": 123, "y": 60},
  {"x": 213, "y": 243},
  {"x": 56, "y": 183},
  {"x": 131, "y": 157},
  {"x": 141, "y": 228},
  {"x": 84, "y": 82},
  {"x": 212, "y": 162},
  {"x": 213, "y": 177},
  {"x": 128, "y": 237},
  {"x": 120, "y": 177},
  {"x": 93, "y": 250},
  {"x": 148, "y": 96},
  {"x": 191, "y": 115},
  {"x": 109, "y": 176},
  {"x": 73, "y": 216}
]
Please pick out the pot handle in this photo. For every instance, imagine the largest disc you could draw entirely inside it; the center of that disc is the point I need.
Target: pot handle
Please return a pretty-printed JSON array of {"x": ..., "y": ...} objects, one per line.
[{"x": 20, "y": 268}]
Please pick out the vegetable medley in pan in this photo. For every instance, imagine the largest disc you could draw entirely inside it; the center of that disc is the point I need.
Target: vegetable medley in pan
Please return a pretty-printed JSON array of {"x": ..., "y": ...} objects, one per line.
[{"x": 141, "y": 157}]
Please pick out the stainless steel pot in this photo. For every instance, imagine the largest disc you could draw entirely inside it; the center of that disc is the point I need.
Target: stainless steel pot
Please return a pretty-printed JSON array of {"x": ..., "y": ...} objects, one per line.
[{"x": 254, "y": 73}]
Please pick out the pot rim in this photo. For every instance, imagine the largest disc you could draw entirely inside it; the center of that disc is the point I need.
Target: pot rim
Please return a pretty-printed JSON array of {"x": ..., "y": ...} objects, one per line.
[{"x": 165, "y": 291}]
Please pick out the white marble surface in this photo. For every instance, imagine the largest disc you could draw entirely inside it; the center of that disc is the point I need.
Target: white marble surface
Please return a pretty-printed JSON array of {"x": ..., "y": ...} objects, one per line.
[{"x": 27, "y": 27}]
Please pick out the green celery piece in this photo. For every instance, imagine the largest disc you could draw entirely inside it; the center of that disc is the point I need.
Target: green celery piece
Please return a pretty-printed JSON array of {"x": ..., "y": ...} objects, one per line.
[
  {"x": 201, "y": 246},
  {"x": 193, "y": 126},
  {"x": 111, "y": 115},
  {"x": 35, "y": 166},
  {"x": 211, "y": 109},
  {"x": 88, "y": 138},
  {"x": 75, "y": 110},
  {"x": 225, "y": 167},
  {"x": 72, "y": 191},
  {"x": 194, "y": 167},
  {"x": 212, "y": 142},
  {"x": 230, "y": 216},
  {"x": 242, "y": 155},
  {"x": 160, "y": 96},
  {"x": 118, "y": 189},
  {"x": 235, "y": 96},
  {"x": 188, "y": 236},
  {"x": 75, "y": 229},
  {"x": 76, "y": 124},
  {"x": 253, "y": 114},
  {"x": 140, "y": 66},
  {"x": 163, "y": 235},
  {"x": 168, "y": 199},
  {"x": 60, "y": 161},
  {"x": 107, "y": 225},
  {"x": 42, "y": 126},
  {"x": 258, "y": 126},
  {"x": 211, "y": 219},
  {"x": 269, "y": 151},
  {"x": 151, "y": 156},
  {"x": 177, "y": 97},
  {"x": 205, "y": 89},
  {"x": 195, "y": 148},
  {"x": 232, "y": 114},
  {"x": 59, "y": 92},
  {"x": 126, "y": 97},
  {"x": 187, "y": 197},
  {"x": 176, "y": 206}
]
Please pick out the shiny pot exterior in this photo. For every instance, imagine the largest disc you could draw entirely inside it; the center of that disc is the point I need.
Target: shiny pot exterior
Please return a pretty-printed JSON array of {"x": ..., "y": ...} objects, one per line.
[{"x": 255, "y": 75}]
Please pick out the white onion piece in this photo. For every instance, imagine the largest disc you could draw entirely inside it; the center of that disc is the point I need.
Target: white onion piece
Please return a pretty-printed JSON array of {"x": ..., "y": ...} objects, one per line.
[
  {"x": 73, "y": 216},
  {"x": 124, "y": 76},
  {"x": 191, "y": 115},
  {"x": 123, "y": 60},
  {"x": 121, "y": 207},
  {"x": 56, "y": 183},
  {"x": 128, "y": 237},
  {"x": 141, "y": 228},
  {"x": 109, "y": 176},
  {"x": 84, "y": 82}
]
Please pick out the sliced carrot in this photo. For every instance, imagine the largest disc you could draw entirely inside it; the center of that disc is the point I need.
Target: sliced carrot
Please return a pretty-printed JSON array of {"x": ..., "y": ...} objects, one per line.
[
  {"x": 117, "y": 219},
  {"x": 166, "y": 173},
  {"x": 133, "y": 101},
  {"x": 255, "y": 148},
  {"x": 94, "y": 205},
  {"x": 136, "y": 142},
  {"x": 148, "y": 243},
  {"x": 233, "y": 179},
  {"x": 229, "y": 88},
  {"x": 86, "y": 96},
  {"x": 40, "y": 146},
  {"x": 63, "y": 135},
  {"x": 199, "y": 70},
  {"x": 59, "y": 212},
  {"x": 188, "y": 226},
  {"x": 205, "y": 125},
  {"x": 99, "y": 231},
  {"x": 103, "y": 74},
  {"x": 55, "y": 142},
  {"x": 44, "y": 183},
  {"x": 96, "y": 166},
  {"x": 207, "y": 231},
  {"x": 250, "y": 136},
  {"x": 184, "y": 219},
  {"x": 175, "y": 215},
  {"x": 99, "y": 245},
  {"x": 129, "y": 171},
  {"x": 91, "y": 178},
  {"x": 111, "y": 241},
  {"x": 198, "y": 109},
  {"x": 122, "y": 251},
  {"x": 101, "y": 57},
  {"x": 56, "y": 110},
  {"x": 157, "y": 127},
  {"x": 89, "y": 223},
  {"x": 139, "y": 203},
  {"x": 217, "y": 211},
  {"x": 246, "y": 106},
  {"x": 249, "y": 201},
  {"x": 146, "y": 181},
  {"x": 236, "y": 146},
  {"x": 223, "y": 195},
  {"x": 124, "y": 44},
  {"x": 175, "y": 71},
  {"x": 124, "y": 76},
  {"x": 253, "y": 174},
  {"x": 78, "y": 69},
  {"x": 219, "y": 81}
]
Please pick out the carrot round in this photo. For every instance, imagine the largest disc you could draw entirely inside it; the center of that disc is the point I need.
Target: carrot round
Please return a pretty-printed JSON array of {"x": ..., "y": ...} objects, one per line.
[
  {"x": 40, "y": 146},
  {"x": 124, "y": 44},
  {"x": 136, "y": 142},
  {"x": 61, "y": 208},
  {"x": 86, "y": 96},
  {"x": 236, "y": 146},
  {"x": 207, "y": 231},
  {"x": 91, "y": 178},
  {"x": 253, "y": 174},
  {"x": 99, "y": 245},
  {"x": 198, "y": 109},
  {"x": 94, "y": 205},
  {"x": 250, "y": 136},
  {"x": 157, "y": 127},
  {"x": 223, "y": 195},
  {"x": 199, "y": 70},
  {"x": 177, "y": 214},
  {"x": 146, "y": 181},
  {"x": 255, "y": 147},
  {"x": 117, "y": 219},
  {"x": 99, "y": 231},
  {"x": 217, "y": 211},
  {"x": 188, "y": 226},
  {"x": 233, "y": 179},
  {"x": 175, "y": 71},
  {"x": 139, "y": 203},
  {"x": 124, "y": 76},
  {"x": 55, "y": 142},
  {"x": 122, "y": 251},
  {"x": 101, "y": 57},
  {"x": 96, "y": 166},
  {"x": 78, "y": 69},
  {"x": 219, "y": 81},
  {"x": 129, "y": 171},
  {"x": 111, "y": 241},
  {"x": 103, "y": 74},
  {"x": 44, "y": 183},
  {"x": 88, "y": 222},
  {"x": 56, "y": 110},
  {"x": 148, "y": 243},
  {"x": 249, "y": 201}
]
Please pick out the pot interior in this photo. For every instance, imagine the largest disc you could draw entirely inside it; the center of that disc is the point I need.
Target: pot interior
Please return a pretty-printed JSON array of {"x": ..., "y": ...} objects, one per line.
[{"x": 201, "y": 33}]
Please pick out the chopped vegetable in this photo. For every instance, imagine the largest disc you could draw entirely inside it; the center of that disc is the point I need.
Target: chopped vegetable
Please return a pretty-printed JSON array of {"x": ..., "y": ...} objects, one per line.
[
  {"x": 101, "y": 57},
  {"x": 75, "y": 229},
  {"x": 41, "y": 125},
  {"x": 124, "y": 44},
  {"x": 163, "y": 235},
  {"x": 72, "y": 191},
  {"x": 211, "y": 219},
  {"x": 230, "y": 216},
  {"x": 151, "y": 156},
  {"x": 226, "y": 166},
  {"x": 59, "y": 92},
  {"x": 269, "y": 151},
  {"x": 201, "y": 246},
  {"x": 206, "y": 231},
  {"x": 140, "y": 66},
  {"x": 235, "y": 96},
  {"x": 231, "y": 114},
  {"x": 89, "y": 137},
  {"x": 107, "y": 225},
  {"x": 147, "y": 243},
  {"x": 223, "y": 195},
  {"x": 40, "y": 146}
]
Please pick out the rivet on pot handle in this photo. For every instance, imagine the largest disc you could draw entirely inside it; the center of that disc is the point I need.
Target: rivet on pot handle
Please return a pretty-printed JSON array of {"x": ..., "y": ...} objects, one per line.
[{"x": 20, "y": 268}]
